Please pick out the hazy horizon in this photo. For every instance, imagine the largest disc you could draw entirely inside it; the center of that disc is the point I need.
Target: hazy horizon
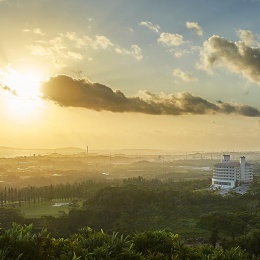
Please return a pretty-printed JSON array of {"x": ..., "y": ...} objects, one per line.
[{"x": 75, "y": 150}]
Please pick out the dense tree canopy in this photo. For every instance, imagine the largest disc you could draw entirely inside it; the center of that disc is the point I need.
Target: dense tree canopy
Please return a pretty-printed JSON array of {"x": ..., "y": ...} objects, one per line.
[{"x": 146, "y": 213}]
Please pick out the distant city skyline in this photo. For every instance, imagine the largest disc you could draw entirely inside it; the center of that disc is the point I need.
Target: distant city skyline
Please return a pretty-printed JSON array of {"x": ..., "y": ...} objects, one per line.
[{"x": 170, "y": 75}]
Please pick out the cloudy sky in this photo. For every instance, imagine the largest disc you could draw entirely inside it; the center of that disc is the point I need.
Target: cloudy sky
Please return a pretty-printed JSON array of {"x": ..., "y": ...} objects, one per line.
[{"x": 111, "y": 74}]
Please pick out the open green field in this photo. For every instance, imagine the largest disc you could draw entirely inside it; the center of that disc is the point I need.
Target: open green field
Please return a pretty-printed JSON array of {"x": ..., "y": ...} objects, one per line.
[{"x": 47, "y": 209}]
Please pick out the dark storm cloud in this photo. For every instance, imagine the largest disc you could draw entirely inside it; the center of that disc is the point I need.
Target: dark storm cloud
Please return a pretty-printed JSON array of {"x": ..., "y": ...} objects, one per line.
[{"x": 68, "y": 92}]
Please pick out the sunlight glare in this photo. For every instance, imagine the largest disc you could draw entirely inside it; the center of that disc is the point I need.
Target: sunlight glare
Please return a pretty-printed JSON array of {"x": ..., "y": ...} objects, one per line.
[
  {"x": 23, "y": 98},
  {"x": 24, "y": 83}
]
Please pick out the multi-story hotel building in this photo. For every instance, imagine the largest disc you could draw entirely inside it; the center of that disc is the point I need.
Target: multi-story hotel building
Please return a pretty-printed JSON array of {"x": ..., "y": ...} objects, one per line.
[{"x": 228, "y": 174}]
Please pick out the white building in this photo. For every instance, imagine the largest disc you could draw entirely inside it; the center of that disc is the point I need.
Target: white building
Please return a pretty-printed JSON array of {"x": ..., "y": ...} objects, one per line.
[{"x": 228, "y": 174}]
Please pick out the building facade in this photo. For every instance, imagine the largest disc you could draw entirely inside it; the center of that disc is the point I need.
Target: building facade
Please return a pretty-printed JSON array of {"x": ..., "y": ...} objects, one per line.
[{"x": 228, "y": 174}]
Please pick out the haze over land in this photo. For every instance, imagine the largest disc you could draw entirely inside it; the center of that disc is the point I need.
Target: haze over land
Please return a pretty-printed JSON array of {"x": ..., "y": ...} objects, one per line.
[{"x": 123, "y": 74}]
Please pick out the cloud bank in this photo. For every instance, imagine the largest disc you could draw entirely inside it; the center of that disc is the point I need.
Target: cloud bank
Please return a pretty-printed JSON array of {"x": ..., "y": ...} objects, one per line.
[
  {"x": 237, "y": 57},
  {"x": 68, "y": 92}
]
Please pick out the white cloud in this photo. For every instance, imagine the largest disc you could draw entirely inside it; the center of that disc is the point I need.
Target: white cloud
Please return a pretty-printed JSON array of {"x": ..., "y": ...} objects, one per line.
[
  {"x": 102, "y": 42},
  {"x": 79, "y": 41},
  {"x": 74, "y": 55},
  {"x": 178, "y": 54},
  {"x": 195, "y": 27},
  {"x": 57, "y": 49},
  {"x": 184, "y": 75},
  {"x": 62, "y": 48},
  {"x": 185, "y": 49},
  {"x": 246, "y": 36},
  {"x": 57, "y": 45},
  {"x": 170, "y": 39},
  {"x": 39, "y": 50},
  {"x": 154, "y": 27},
  {"x": 84, "y": 41},
  {"x": 134, "y": 51},
  {"x": 38, "y": 31},
  {"x": 237, "y": 57}
]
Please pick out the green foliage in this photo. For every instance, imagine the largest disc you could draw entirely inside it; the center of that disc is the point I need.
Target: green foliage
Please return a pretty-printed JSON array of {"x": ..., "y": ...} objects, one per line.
[
  {"x": 209, "y": 252},
  {"x": 147, "y": 213},
  {"x": 251, "y": 242},
  {"x": 228, "y": 223},
  {"x": 140, "y": 204},
  {"x": 10, "y": 215},
  {"x": 235, "y": 253},
  {"x": 19, "y": 242},
  {"x": 153, "y": 242}
]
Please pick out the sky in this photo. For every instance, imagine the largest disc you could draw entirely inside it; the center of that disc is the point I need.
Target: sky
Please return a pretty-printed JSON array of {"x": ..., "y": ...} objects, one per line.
[{"x": 142, "y": 74}]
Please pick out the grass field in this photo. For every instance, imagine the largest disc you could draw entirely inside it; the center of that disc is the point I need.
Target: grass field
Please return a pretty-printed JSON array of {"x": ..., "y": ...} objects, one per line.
[{"x": 47, "y": 209}]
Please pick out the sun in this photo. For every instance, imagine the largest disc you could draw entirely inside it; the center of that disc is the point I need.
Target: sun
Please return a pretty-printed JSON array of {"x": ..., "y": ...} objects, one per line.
[
  {"x": 24, "y": 83},
  {"x": 23, "y": 91}
]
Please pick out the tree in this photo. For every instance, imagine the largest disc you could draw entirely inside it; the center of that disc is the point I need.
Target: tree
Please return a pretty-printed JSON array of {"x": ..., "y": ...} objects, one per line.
[
  {"x": 228, "y": 223},
  {"x": 153, "y": 242},
  {"x": 251, "y": 242}
]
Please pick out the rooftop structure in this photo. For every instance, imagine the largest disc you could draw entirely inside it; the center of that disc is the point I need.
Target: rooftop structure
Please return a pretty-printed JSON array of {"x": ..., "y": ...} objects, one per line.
[{"x": 228, "y": 174}]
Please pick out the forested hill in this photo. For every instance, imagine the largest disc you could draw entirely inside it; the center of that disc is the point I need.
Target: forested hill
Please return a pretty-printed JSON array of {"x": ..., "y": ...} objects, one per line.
[{"x": 136, "y": 206}]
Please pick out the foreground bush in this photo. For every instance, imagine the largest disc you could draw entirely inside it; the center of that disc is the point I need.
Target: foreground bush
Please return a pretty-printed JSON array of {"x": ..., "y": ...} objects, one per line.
[{"x": 19, "y": 242}]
